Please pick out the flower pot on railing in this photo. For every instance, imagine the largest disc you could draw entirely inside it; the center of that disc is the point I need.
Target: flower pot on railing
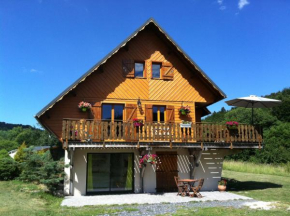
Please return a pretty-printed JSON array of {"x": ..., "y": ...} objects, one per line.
[
  {"x": 232, "y": 127},
  {"x": 137, "y": 122}
]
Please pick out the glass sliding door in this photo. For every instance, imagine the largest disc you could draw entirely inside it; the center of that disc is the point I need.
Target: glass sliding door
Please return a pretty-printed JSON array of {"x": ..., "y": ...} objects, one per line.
[
  {"x": 98, "y": 178},
  {"x": 110, "y": 173}
]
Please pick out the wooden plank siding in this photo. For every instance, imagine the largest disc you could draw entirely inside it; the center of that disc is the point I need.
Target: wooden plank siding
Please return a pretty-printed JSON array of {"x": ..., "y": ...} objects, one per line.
[{"x": 110, "y": 86}]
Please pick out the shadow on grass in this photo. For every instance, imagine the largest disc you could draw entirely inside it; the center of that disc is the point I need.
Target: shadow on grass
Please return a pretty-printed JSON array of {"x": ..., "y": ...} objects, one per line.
[{"x": 235, "y": 185}]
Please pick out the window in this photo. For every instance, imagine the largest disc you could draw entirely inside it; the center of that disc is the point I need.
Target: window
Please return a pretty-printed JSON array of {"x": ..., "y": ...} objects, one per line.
[
  {"x": 112, "y": 112},
  {"x": 156, "y": 70},
  {"x": 139, "y": 69},
  {"x": 110, "y": 173},
  {"x": 158, "y": 114}
]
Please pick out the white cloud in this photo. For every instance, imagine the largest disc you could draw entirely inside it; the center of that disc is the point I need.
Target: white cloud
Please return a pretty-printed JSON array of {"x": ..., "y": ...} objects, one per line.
[
  {"x": 32, "y": 70},
  {"x": 223, "y": 7},
  {"x": 220, "y": 2},
  {"x": 243, "y": 3}
]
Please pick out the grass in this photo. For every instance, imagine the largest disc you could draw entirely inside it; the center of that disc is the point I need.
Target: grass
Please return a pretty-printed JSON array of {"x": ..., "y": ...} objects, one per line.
[
  {"x": 259, "y": 186},
  {"x": 257, "y": 168},
  {"x": 18, "y": 198},
  {"x": 22, "y": 199}
]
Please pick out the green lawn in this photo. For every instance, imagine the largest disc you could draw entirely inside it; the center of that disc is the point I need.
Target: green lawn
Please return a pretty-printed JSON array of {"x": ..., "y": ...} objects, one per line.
[{"x": 17, "y": 198}]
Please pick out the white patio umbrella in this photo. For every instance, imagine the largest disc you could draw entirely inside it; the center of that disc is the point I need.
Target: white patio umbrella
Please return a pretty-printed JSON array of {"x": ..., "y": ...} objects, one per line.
[{"x": 254, "y": 101}]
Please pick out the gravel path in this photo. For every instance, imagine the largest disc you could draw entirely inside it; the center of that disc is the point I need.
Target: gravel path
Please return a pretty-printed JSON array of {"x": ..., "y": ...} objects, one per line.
[{"x": 170, "y": 208}]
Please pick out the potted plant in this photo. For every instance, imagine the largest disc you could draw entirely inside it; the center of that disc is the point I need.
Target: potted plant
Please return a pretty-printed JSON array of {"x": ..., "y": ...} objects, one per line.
[
  {"x": 137, "y": 122},
  {"x": 232, "y": 125},
  {"x": 84, "y": 106},
  {"x": 222, "y": 185},
  {"x": 184, "y": 110}
]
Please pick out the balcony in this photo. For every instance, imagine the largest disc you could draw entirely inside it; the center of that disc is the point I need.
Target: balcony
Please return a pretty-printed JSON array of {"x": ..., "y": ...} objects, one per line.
[{"x": 88, "y": 132}]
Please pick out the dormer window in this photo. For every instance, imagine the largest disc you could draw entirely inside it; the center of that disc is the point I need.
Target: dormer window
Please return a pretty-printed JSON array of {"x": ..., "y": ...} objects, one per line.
[
  {"x": 139, "y": 69},
  {"x": 156, "y": 67}
]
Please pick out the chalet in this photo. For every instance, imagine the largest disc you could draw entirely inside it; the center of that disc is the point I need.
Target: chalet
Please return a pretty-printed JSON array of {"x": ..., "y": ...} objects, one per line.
[{"x": 147, "y": 97}]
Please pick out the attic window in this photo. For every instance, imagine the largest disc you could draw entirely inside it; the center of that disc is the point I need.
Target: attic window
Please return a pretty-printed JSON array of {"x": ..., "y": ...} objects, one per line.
[
  {"x": 139, "y": 69},
  {"x": 156, "y": 70}
]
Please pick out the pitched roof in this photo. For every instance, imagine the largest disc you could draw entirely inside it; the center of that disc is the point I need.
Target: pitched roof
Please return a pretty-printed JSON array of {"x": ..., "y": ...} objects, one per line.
[{"x": 123, "y": 44}]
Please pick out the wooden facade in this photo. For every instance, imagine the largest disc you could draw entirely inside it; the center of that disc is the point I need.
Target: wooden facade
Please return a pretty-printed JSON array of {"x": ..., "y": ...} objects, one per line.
[{"x": 115, "y": 82}]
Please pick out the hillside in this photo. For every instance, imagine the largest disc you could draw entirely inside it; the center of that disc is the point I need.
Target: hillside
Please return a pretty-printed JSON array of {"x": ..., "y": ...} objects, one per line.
[
  {"x": 13, "y": 135},
  {"x": 9, "y": 126}
]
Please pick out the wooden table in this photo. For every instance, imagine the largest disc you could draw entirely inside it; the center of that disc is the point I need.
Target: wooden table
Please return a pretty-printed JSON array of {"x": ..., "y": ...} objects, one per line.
[{"x": 188, "y": 183}]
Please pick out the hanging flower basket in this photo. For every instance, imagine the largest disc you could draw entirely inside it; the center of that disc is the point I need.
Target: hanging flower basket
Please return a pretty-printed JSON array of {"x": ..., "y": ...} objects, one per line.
[
  {"x": 84, "y": 106},
  {"x": 149, "y": 158},
  {"x": 137, "y": 122},
  {"x": 232, "y": 125},
  {"x": 184, "y": 110}
]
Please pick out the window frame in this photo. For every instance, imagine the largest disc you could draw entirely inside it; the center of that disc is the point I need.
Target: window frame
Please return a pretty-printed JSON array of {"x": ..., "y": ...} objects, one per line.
[
  {"x": 156, "y": 63},
  {"x": 113, "y": 112},
  {"x": 158, "y": 114},
  {"x": 139, "y": 62}
]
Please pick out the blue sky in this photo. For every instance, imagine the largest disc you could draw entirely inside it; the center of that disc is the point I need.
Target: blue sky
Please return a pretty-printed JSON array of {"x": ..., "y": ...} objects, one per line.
[{"x": 242, "y": 45}]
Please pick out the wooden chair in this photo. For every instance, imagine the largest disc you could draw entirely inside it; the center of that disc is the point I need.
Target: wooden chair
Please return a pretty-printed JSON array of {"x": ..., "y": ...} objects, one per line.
[
  {"x": 180, "y": 186},
  {"x": 197, "y": 188}
]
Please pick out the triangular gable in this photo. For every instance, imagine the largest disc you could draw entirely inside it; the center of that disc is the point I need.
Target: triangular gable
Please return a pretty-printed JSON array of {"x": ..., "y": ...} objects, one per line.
[{"x": 217, "y": 90}]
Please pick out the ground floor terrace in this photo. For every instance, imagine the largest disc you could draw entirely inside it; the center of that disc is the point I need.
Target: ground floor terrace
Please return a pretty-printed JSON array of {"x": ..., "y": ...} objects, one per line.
[{"x": 113, "y": 170}]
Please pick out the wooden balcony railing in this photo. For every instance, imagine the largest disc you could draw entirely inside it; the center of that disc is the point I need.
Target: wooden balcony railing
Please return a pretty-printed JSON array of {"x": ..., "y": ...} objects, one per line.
[{"x": 84, "y": 130}]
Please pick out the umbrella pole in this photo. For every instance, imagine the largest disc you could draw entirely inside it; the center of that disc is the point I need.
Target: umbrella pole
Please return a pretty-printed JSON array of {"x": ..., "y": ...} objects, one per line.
[
  {"x": 252, "y": 112},
  {"x": 252, "y": 115}
]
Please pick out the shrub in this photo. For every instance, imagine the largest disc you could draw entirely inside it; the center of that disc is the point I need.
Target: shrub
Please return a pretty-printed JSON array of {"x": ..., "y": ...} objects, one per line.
[
  {"x": 8, "y": 168},
  {"x": 41, "y": 168}
]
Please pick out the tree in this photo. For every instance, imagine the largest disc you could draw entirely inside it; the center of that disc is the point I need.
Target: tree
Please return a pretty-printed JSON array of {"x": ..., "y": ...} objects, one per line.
[
  {"x": 8, "y": 145},
  {"x": 21, "y": 154},
  {"x": 4, "y": 154},
  {"x": 277, "y": 145}
]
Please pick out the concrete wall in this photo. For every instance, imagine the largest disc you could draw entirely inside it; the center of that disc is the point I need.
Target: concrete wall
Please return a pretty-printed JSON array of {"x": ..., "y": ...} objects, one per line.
[{"x": 209, "y": 168}]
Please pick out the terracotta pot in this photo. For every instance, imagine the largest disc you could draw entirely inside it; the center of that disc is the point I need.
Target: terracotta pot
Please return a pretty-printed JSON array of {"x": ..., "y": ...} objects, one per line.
[{"x": 222, "y": 188}]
